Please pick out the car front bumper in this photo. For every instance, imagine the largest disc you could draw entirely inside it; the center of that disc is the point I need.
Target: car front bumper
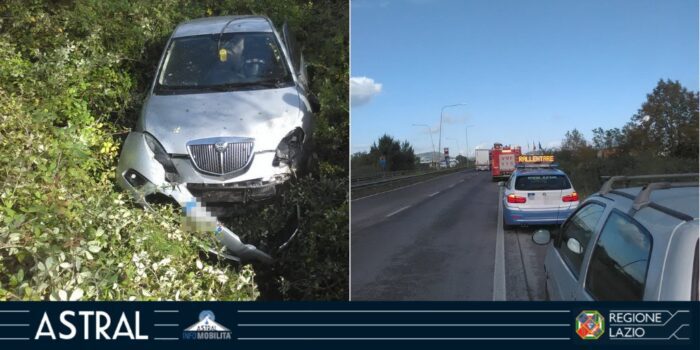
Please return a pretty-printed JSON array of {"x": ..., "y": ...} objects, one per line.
[
  {"x": 142, "y": 176},
  {"x": 258, "y": 181}
]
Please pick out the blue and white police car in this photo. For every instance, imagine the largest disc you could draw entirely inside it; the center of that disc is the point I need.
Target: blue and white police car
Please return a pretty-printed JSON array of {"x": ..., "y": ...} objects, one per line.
[{"x": 538, "y": 194}]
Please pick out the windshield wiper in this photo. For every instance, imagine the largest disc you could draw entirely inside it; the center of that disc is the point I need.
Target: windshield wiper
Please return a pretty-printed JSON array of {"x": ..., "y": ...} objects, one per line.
[{"x": 267, "y": 83}]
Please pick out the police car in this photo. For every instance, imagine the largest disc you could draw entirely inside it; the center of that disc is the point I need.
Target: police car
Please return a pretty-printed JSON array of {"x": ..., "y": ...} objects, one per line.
[{"x": 538, "y": 194}]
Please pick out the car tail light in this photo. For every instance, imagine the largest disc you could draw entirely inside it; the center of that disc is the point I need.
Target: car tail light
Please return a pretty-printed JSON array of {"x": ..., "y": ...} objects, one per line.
[
  {"x": 570, "y": 198},
  {"x": 515, "y": 199}
]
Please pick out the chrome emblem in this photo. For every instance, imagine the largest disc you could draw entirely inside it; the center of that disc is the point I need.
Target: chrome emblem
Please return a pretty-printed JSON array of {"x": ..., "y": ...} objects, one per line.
[{"x": 220, "y": 146}]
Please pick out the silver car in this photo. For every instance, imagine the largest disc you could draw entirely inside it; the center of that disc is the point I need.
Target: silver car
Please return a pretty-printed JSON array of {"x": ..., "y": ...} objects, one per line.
[
  {"x": 228, "y": 118},
  {"x": 635, "y": 243}
]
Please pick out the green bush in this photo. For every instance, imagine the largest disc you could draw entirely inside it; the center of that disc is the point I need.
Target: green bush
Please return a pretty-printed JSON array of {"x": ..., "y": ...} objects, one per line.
[{"x": 72, "y": 78}]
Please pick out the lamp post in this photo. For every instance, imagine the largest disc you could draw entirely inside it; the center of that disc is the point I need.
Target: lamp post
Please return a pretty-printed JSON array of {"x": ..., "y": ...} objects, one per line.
[
  {"x": 442, "y": 111},
  {"x": 430, "y": 132},
  {"x": 456, "y": 141},
  {"x": 466, "y": 132}
]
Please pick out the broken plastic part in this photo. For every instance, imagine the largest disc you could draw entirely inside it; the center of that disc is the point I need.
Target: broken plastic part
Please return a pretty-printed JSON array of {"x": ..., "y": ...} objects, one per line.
[{"x": 201, "y": 219}]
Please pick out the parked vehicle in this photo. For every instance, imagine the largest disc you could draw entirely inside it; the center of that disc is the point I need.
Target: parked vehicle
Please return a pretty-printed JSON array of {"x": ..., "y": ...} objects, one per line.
[
  {"x": 538, "y": 194},
  {"x": 481, "y": 159},
  {"x": 503, "y": 160},
  {"x": 228, "y": 119},
  {"x": 628, "y": 244}
]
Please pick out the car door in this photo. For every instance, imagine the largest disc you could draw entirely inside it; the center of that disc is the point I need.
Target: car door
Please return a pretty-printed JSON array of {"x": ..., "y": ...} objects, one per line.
[{"x": 564, "y": 259}]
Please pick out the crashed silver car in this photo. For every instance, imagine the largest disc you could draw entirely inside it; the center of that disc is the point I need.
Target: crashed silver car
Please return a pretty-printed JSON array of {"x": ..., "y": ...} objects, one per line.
[{"x": 227, "y": 120}]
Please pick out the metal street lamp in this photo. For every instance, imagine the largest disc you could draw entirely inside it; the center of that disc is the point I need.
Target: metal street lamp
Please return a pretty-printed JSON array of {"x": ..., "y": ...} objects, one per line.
[
  {"x": 442, "y": 111},
  {"x": 456, "y": 140},
  {"x": 466, "y": 132},
  {"x": 430, "y": 132}
]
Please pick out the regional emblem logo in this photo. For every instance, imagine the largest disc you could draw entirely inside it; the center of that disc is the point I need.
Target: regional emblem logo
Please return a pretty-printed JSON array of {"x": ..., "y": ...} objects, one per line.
[{"x": 590, "y": 324}]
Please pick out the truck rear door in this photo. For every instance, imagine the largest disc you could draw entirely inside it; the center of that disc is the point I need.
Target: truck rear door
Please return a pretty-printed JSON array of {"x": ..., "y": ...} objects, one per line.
[{"x": 507, "y": 162}]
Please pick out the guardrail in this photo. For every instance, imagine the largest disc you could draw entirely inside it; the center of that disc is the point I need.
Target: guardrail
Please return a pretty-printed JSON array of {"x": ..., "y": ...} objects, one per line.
[{"x": 384, "y": 178}]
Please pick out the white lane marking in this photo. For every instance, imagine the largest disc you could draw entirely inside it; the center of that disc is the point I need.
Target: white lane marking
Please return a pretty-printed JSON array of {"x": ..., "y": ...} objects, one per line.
[
  {"x": 436, "y": 193},
  {"x": 499, "y": 272},
  {"x": 398, "y": 211}
]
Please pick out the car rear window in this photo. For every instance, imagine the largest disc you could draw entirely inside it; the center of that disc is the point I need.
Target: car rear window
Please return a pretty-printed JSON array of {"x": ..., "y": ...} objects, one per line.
[{"x": 542, "y": 182}]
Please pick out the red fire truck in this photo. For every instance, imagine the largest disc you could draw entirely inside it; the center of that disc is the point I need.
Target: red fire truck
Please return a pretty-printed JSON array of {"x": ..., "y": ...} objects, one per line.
[{"x": 503, "y": 160}]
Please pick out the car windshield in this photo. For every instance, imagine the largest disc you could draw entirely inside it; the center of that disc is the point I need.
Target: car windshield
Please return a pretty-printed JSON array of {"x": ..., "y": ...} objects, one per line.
[
  {"x": 542, "y": 182},
  {"x": 231, "y": 61}
]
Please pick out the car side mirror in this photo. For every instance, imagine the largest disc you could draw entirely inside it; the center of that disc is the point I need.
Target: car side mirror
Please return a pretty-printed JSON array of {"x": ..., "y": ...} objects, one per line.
[
  {"x": 574, "y": 245},
  {"x": 501, "y": 183},
  {"x": 541, "y": 237}
]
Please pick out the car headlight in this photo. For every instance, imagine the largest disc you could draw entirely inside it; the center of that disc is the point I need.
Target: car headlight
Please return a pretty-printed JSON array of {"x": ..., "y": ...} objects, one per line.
[
  {"x": 290, "y": 147},
  {"x": 161, "y": 156}
]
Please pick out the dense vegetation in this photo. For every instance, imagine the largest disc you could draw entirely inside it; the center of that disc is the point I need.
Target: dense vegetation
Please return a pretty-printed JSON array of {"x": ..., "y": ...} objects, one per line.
[
  {"x": 398, "y": 155},
  {"x": 73, "y": 76},
  {"x": 661, "y": 138}
]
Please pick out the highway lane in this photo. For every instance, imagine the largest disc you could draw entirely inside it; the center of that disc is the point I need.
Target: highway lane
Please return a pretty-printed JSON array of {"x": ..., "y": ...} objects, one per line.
[
  {"x": 430, "y": 241},
  {"x": 436, "y": 240}
]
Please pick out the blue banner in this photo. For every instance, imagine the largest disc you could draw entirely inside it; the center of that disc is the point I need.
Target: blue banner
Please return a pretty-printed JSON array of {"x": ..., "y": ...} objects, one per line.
[{"x": 241, "y": 325}]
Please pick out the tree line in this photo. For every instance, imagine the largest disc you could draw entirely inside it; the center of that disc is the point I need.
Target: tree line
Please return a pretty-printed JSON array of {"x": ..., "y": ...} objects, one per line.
[
  {"x": 661, "y": 137},
  {"x": 398, "y": 156}
]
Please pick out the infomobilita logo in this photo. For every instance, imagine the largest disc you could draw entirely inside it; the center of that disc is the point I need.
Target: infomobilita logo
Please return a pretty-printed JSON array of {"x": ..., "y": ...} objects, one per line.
[
  {"x": 590, "y": 324},
  {"x": 206, "y": 329}
]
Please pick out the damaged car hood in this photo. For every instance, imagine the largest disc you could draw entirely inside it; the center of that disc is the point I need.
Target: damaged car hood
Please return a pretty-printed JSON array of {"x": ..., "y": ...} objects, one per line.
[{"x": 265, "y": 115}]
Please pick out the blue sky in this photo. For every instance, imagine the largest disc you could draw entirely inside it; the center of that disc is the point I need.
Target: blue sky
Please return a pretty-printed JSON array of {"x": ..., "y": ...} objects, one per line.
[{"x": 527, "y": 70}]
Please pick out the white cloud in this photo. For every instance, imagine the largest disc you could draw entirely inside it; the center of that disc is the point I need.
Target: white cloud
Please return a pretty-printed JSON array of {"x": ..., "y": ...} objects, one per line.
[{"x": 362, "y": 89}]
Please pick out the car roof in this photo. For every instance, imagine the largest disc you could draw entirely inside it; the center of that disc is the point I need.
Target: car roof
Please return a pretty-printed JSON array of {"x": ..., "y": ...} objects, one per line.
[
  {"x": 538, "y": 171},
  {"x": 680, "y": 199},
  {"x": 214, "y": 25}
]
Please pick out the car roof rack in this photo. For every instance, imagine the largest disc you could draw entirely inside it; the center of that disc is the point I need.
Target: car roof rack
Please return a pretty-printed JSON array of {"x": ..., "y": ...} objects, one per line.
[
  {"x": 643, "y": 198},
  {"x": 607, "y": 186}
]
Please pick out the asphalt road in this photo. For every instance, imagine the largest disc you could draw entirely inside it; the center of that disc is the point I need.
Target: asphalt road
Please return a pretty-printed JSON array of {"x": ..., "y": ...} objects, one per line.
[{"x": 437, "y": 240}]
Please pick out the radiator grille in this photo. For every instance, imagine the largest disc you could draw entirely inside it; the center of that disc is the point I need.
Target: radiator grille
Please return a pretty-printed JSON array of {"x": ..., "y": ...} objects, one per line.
[{"x": 221, "y": 157}]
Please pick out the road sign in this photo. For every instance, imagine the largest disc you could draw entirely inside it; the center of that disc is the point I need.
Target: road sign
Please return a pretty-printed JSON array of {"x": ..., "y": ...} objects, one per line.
[{"x": 447, "y": 151}]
